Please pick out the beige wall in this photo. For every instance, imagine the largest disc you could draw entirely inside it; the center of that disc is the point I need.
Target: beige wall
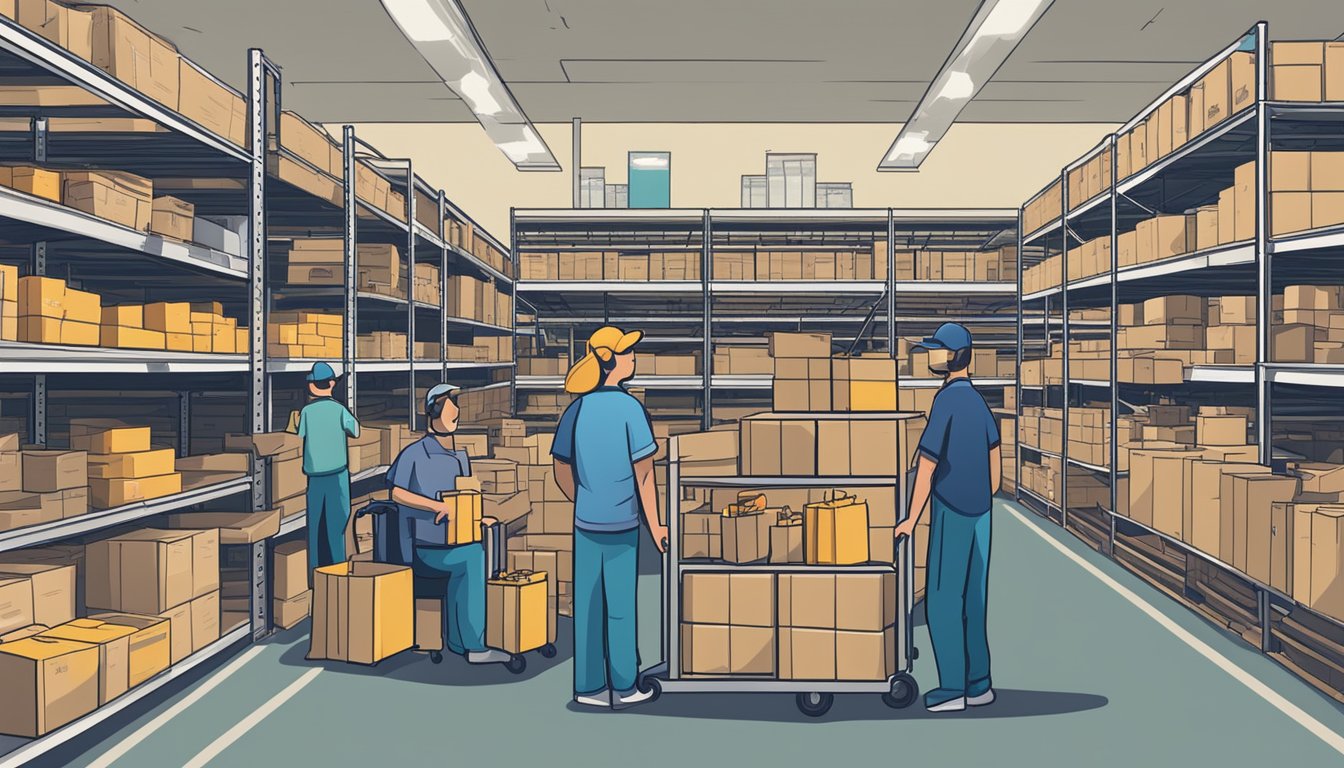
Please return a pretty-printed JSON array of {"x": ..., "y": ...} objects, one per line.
[{"x": 976, "y": 165}]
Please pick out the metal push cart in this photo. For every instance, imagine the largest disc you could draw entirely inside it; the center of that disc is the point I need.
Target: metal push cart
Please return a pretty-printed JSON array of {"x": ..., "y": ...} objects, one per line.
[
  {"x": 814, "y": 697},
  {"x": 492, "y": 539}
]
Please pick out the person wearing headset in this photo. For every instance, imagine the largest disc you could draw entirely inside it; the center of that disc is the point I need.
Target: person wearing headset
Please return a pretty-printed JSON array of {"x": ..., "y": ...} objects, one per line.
[
  {"x": 603, "y": 457},
  {"x": 423, "y": 470}
]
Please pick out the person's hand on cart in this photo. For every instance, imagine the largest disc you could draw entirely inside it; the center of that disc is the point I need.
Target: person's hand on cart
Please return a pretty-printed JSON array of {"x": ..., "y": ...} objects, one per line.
[
  {"x": 906, "y": 528},
  {"x": 489, "y": 521},
  {"x": 660, "y": 537}
]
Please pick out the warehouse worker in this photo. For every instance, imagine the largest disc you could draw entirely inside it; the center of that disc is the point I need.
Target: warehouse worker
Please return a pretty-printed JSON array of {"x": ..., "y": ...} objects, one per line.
[
  {"x": 423, "y": 470},
  {"x": 324, "y": 425},
  {"x": 603, "y": 456},
  {"x": 959, "y": 470}
]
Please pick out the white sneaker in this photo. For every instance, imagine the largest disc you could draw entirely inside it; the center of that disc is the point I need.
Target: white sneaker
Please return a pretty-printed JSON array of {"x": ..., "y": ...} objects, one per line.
[
  {"x": 490, "y": 656},
  {"x": 951, "y": 705},
  {"x": 630, "y": 698},
  {"x": 600, "y": 699},
  {"x": 979, "y": 701}
]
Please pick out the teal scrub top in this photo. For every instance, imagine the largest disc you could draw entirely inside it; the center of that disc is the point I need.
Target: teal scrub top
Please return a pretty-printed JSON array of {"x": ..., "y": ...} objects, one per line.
[{"x": 324, "y": 425}]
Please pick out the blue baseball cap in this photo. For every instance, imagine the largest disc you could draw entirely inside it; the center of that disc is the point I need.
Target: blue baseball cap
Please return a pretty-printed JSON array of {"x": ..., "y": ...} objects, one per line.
[
  {"x": 321, "y": 372},
  {"x": 949, "y": 336}
]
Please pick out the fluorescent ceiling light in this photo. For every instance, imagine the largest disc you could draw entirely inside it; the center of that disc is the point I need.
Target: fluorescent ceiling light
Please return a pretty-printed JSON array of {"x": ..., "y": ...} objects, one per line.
[
  {"x": 442, "y": 33},
  {"x": 656, "y": 162},
  {"x": 993, "y": 34}
]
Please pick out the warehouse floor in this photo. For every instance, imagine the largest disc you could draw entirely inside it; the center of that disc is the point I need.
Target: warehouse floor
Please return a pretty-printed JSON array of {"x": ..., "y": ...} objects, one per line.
[{"x": 1085, "y": 676}]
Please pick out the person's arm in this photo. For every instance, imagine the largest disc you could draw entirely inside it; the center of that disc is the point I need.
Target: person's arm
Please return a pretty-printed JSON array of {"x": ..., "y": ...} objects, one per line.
[
  {"x": 564, "y": 476},
  {"x": 349, "y": 422},
  {"x": 923, "y": 490},
  {"x": 995, "y": 469},
  {"x": 643, "y": 448},
  {"x": 416, "y": 501}
]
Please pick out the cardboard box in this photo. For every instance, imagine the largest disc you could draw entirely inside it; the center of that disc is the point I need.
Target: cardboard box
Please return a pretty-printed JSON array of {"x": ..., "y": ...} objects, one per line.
[
  {"x": 288, "y": 613},
  {"x": 107, "y": 493},
  {"x": 113, "y": 644},
  {"x": 34, "y": 181},
  {"x": 1144, "y": 487},
  {"x": 52, "y": 587},
  {"x": 1317, "y": 564},
  {"x": 864, "y": 384},
  {"x": 149, "y": 650},
  {"x": 16, "y": 602},
  {"x": 705, "y": 649},
  {"x": 108, "y": 436},
  {"x": 516, "y": 615},
  {"x": 172, "y": 217},
  {"x": 142, "y": 464},
  {"x": 865, "y": 602},
  {"x": 117, "y": 196},
  {"x": 1248, "y": 495},
  {"x": 800, "y": 344},
  {"x": 134, "y": 55},
  {"x": 49, "y": 471},
  {"x": 1221, "y": 430},
  {"x": 363, "y": 612},
  {"x": 235, "y": 528},
  {"x": 807, "y": 654},
  {"x": 289, "y": 569},
  {"x": 70, "y": 28},
  {"x": 150, "y": 571},
  {"x": 1297, "y": 71},
  {"x": 213, "y": 106},
  {"x": 48, "y": 682}
]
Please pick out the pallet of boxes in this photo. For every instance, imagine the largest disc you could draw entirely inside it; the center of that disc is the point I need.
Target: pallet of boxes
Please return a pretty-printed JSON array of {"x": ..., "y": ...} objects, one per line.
[{"x": 797, "y": 579}]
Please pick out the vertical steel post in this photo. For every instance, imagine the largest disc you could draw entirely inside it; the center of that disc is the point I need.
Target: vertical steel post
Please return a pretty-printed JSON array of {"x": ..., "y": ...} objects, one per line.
[
  {"x": 1114, "y": 453},
  {"x": 891, "y": 292},
  {"x": 706, "y": 290},
  {"x": 410, "y": 293},
  {"x": 183, "y": 423},
  {"x": 576, "y": 161},
  {"x": 443, "y": 287},
  {"x": 259, "y": 398},
  {"x": 1263, "y": 259},
  {"x": 513, "y": 314},
  {"x": 672, "y": 573},
  {"x": 1064, "y": 336},
  {"x": 40, "y": 128},
  {"x": 37, "y": 429},
  {"x": 1017, "y": 411},
  {"x": 351, "y": 304}
]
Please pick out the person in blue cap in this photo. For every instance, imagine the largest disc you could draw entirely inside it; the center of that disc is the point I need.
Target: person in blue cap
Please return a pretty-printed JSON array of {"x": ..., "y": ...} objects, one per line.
[
  {"x": 324, "y": 425},
  {"x": 957, "y": 475},
  {"x": 422, "y": 471}
]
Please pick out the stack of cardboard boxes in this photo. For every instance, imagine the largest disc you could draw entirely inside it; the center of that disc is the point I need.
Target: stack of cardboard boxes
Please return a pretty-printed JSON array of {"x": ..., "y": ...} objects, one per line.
[
  {"x": 51, "y": 312},
  {"x": 1043, "y": 209},
  {"x": 381, "y": 345},
  {"x": 1310, "y": 327},
  {"x": 123, "y": 466},
  {"x": 426, "y": 286},
  {"x": 291, "y": 599},
  {"x": 1089, "y": 179},
  {"x": 1306, "y": 71},
  {"x": 956, "y": 266},
  {"x": 549, "y": 540},
  {"x": 473, "y": 299},
  {"x": 610, "y": 265},
  {"x": 9, "y": 302},
  {"x": 1161, "y": 337},
  {"x": 285, "y": 453},
  {"x": 741, "y": 360},
  {"x": 1306, "y": 188},
  {"x": 304, "y": 335},
  {"x": 40, "y": 486},
  {"x": 1048, "y": 273}
]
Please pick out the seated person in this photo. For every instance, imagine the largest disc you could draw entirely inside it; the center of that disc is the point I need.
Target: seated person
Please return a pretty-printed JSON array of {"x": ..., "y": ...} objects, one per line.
[{"x": 422, "y": 471}]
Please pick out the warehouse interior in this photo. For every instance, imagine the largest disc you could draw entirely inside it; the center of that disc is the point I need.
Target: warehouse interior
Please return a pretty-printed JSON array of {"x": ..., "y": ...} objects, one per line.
[{"x": 1135, "y": 211}]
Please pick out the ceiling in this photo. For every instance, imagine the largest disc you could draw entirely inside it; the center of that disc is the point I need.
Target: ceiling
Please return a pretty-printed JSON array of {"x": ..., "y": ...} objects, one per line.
[{"x": 838, "y": 61}]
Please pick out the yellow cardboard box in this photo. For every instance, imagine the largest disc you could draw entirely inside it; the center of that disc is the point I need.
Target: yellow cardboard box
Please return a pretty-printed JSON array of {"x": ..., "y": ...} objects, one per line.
[
  {"x": 108, "y": 492},
  {"x": 139, "y": 465},
  {"x": 108, "y": 436},
  {"x": 114, "y": 648},
  {"x": 363, "y": 612},
  {"x": 516, "y": 618},
  {"x": 149, "y": 651},
  {"x": 48, "y": 682}
]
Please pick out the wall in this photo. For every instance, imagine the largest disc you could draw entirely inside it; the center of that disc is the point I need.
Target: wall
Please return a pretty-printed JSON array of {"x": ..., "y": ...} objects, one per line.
[{"x": 975, "y": 165}]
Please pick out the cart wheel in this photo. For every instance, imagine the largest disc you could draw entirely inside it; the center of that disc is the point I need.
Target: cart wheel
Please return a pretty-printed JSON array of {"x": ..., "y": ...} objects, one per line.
[
  {"x": 815, "y": 704},
  {"x": 516, "y": 664},
  {"x": 548, "y": 651},
  {"x": 436, "y": 657},
  {"x": 914, "y": 653},
  {"x": 904, "y": 691},
  {"x": 651, "y": 685}
]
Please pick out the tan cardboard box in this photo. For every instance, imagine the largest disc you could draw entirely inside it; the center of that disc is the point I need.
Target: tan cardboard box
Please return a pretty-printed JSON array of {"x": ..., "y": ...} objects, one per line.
[
  {"x": 1247, "y": 493},
  {"x": 1292, "y": 344},
  {"x": 141, "y": 464},
  {"x": 52, "y": 586},
  {"x": 48, "y": 682},
  {"x": 752, "y": 600},
  {"x": 1217, "y": 95},
  {"x": 806, "y": 600},
  {"x": 865, "y": 655},
  {"x": 1204, "y": 525},
  {"x": 50, "y": 471},
  {"x": 16, "y": 602},
  {"x": 117, "y": 196},
  {"x": 1143, "y": 480},
  {"x": 150, "y": 570},
  {"x": 172, "y": 217},
  {"x": 705, "y": 598},
  {"x": 705, "y": 649},
  {"x": 1221, "y": 430},
  {"x": 800, "y": 344},
  {"x": 107, "y": 493},
  {"x": 288, "y": 613},
  {"x": 113, "y": 644},
  {"x": 149, "y": 646},
  {"x": 807, "y": 654},
  {"x": 1318, "y": 567},
  {"x": 362, "y": 612},
  {"x": 289, "y": 569},
  {"x": 865, "y": 602},
  {"x": 215, "y": 107}
]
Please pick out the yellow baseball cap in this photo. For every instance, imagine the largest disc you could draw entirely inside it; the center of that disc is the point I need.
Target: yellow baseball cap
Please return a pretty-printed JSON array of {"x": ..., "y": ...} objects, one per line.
[{"x": 606, "y": 342}]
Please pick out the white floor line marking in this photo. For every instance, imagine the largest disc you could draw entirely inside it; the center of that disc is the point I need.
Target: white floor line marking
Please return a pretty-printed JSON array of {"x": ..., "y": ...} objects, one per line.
[
  {"x": 145, "y": 731},
  {"x": 1316, "y": 727},
  {"x": 248, "y": 723}
]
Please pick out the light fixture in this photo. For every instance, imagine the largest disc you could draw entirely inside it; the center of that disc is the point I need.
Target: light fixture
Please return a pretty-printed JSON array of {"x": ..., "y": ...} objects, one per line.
[
  {"x": 442, "y": 33},
  {"x": 993, "y": 34}
]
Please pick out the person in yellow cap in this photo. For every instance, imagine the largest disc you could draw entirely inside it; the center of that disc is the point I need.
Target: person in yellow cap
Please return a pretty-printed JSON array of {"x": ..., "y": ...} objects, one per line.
[{"x": 603, "y": 454}]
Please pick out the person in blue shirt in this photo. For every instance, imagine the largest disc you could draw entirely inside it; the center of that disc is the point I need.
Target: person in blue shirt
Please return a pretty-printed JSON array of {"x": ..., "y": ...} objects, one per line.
[
  {"x": 603, "y": 456},
  {"x": 957, "y": 475},
  {"x": 423, "y": 470},
  {"x": 324, "y": 425}
]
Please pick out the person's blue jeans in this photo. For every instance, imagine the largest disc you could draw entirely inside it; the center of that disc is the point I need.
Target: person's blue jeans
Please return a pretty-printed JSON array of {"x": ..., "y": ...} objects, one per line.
[
  {"x": 328, "y": 514},
  {"x": 956, "y": 589},
  {"x": 464, "y": 597},
  {"x": 605, "y": 574}
]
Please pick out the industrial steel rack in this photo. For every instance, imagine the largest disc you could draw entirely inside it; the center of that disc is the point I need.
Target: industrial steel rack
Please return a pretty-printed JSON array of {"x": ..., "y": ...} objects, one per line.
[
  {"x": 107, "y": 250},
  {"x": 814, "y": 697},
  {"x": 1280, "y": 393}
]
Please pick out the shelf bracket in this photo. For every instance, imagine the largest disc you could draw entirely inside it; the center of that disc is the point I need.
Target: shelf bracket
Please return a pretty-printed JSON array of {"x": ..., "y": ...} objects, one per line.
[
  {"x": 1135, "y": 203},
  {"x": 183, "y": 423},
  {"x": 867, "y": 322},
  {"x": 38, "y": 433},
  {"x": 40, "y": 127}
]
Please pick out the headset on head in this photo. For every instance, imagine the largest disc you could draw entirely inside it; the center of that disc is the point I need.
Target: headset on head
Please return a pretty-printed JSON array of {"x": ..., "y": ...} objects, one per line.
[{"x": 436, "y": 408}]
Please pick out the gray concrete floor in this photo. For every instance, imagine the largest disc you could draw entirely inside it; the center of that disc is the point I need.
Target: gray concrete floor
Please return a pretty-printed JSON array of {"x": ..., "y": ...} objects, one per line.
[{"x": 1084, "y": 678}]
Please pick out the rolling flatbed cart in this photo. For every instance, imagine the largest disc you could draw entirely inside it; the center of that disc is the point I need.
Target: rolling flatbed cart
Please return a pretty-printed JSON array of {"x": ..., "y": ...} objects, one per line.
[
  {"x": 492, "y": 539},
  {"x": 814, "y": 697}
]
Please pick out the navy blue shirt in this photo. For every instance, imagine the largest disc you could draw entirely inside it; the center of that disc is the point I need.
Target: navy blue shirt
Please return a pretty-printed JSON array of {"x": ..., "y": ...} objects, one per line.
[
  {"x": 601, "y": 435},
  {"x": 428, "y": 469},
  {"x": 960, "y": 434}
]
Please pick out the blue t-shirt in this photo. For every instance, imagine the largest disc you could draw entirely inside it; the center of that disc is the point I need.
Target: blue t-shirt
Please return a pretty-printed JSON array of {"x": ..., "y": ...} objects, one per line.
[
  {"x": 426, "y": 468},
  {"x": 601, "y": 435},
  {"x": 960, "y": 434}
]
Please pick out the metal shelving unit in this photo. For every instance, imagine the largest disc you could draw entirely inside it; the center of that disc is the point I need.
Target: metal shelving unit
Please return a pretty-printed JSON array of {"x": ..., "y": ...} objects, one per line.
[
  {"x": 698, "y": 315},
  {"x": 125, "y": 264},
  {"x": 1281, "y": 394}
]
